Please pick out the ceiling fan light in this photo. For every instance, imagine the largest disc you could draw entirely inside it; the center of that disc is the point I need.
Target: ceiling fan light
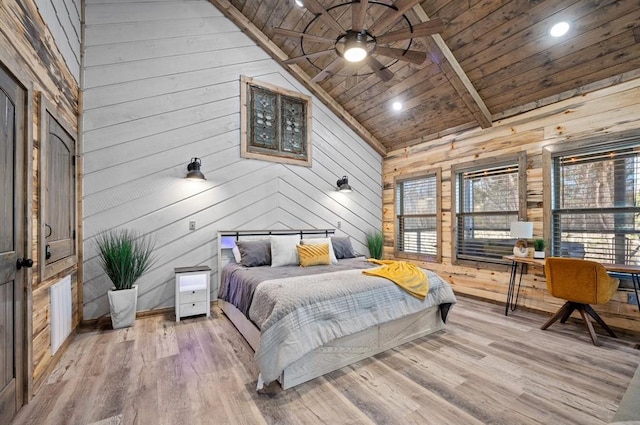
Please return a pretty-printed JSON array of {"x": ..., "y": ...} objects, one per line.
[
  {"x": 355, "y": 54},
  {"x": 355, "y": 47},
  {"x": 559, "y": 29}
]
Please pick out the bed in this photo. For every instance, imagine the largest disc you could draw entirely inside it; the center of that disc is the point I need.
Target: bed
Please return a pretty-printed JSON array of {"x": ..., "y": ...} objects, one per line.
[{"x": 303, "y": 322}]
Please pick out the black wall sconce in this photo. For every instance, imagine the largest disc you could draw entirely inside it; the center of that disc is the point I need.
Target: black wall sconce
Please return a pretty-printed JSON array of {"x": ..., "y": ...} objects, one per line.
[
  {"x": 193, "y": 169},
  {"x": 343, "y": 185}
]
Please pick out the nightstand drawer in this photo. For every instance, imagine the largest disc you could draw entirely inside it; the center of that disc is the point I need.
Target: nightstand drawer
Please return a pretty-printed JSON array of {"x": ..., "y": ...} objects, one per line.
[
  {"x": 190, "y": 309},
  {"x": 193, "y": 296}
]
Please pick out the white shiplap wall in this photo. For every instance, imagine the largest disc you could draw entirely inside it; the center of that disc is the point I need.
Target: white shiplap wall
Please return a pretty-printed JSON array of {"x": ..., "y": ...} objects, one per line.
[
  {"x": 63, "y": 18},
  {"x": 161, "y": 85}
]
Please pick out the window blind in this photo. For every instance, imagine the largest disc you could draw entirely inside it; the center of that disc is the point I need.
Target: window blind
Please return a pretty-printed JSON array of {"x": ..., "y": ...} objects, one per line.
[
  {"x": 416, "y": 207},
  {"x": 595, "y": 205},
  {"x": 488, "y": 201}
]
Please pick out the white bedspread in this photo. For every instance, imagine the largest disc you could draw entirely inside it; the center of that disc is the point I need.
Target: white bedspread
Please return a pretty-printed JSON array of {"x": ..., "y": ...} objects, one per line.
[{"x": 297, "y": 315}]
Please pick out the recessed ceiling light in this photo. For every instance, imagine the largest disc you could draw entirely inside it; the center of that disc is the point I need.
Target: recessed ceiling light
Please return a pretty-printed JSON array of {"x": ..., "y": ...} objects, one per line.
[
  {"x": 559, "y": 29},
  {"x": 397, "y": 106},
  {"x": 299, "y": 3}
]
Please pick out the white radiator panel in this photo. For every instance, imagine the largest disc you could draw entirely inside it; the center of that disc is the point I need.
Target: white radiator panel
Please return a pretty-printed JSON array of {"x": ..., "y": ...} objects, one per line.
[{"x": 60, "y": 295}]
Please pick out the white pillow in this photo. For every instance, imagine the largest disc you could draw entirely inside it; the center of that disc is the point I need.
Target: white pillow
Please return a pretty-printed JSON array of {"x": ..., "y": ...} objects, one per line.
[
  {"x": 283, "y": 250},
  {"x": 236, "y": 254},
  {"x": 322, "y": 241}
]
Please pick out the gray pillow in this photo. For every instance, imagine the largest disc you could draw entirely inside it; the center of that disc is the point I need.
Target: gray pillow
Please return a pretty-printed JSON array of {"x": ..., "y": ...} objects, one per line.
[
  {"x": 342, "y": 247},
  {"x": 255, "y": 253}
]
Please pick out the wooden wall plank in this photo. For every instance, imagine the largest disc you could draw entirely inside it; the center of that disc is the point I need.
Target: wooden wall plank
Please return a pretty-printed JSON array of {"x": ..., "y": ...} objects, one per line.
[
  {"x": 163, "y": 87},
  {"x": 34, "y": 50},
  {"x": 605, "y": 112}
]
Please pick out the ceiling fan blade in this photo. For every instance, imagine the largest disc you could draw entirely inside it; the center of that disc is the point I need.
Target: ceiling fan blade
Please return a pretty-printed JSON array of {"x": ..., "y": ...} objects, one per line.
[
  {"x": 379, "y": 69},
  {"x": 358, "y": 15},
  {"x": 309, "y": 56},
  {"x": 420, "y": 30},
  {"x": 392, "y": 15},
  {"x": 351, "y": 82},
  {"x": 412, "y": 56},
  {"x": 327, "y": 70},
  {"x": 295, "y": 34},
  {"x": 316, "y": 8}
]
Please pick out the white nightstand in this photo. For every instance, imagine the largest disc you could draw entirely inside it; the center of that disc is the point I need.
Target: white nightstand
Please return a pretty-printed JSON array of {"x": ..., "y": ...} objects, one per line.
[{"x": 192, "y": 291}]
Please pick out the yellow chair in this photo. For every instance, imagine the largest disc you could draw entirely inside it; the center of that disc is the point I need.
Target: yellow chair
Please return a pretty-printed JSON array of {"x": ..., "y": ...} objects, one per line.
[{"x": 580, "y": 282}]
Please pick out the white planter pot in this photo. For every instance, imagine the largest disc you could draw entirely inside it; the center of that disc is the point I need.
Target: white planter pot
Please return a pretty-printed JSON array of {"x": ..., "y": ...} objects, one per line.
[
  {"x": 123, "y": 304},
  {"x": 538, "y": 254}
]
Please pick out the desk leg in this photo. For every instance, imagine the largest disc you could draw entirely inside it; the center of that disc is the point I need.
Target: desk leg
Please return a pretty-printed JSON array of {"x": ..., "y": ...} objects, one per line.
[
  {"x": 635, "y": 278},
  {"x": 512, "y": 302},
  {"x": 512, "y": 284}
]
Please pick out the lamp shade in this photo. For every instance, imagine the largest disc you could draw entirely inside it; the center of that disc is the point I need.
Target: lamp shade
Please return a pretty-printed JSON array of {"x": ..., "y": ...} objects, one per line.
[
  {"x": 343, "y": 184},
  {"x": 193, "y": 170},
  {"x": 521, "y": 230}
]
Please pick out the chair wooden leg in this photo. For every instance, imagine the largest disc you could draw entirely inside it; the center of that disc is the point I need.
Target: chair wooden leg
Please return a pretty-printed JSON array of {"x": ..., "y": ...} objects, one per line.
[
  {"x": 587, "y": 321},
  {"x": 560, "y": 313},
  {"x": 572, "y": 306},
  {"x": 598, "y": 319}
]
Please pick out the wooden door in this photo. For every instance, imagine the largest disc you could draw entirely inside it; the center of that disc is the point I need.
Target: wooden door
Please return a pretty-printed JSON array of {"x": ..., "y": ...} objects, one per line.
[{"x": 12, "y": 246}]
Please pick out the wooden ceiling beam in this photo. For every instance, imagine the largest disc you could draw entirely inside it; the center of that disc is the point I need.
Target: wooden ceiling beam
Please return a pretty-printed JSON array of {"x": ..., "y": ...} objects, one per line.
[
  {"x": 278, "y": 55},
  {"x": 458, "y": 78}
]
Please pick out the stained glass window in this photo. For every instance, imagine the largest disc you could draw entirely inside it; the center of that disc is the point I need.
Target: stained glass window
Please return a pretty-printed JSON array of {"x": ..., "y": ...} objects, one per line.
[{"x": 275, "y": 124}]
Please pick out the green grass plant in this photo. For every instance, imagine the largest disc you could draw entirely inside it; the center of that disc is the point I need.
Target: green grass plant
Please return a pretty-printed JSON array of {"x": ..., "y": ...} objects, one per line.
[
  {"x": 124, "y": 256},
  {"x": 375, "y": 242}
]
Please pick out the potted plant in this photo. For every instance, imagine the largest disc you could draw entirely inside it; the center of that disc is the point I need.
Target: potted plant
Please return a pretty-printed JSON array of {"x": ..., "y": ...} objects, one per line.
[
  {"x": 538, "y": 247},
  {"x": 124, "y": 256},
  {"x": 375, "y": 242}
]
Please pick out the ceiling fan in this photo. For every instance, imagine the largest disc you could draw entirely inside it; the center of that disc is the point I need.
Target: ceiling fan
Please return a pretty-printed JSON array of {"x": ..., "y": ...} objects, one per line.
[{"x": 360, "y": 43}]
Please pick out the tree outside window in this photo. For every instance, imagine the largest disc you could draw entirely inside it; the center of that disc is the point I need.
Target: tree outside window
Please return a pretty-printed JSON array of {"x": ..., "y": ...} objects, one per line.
[
  {"x": 596, "y": 203},
  {"x": 418, "y": 211}
]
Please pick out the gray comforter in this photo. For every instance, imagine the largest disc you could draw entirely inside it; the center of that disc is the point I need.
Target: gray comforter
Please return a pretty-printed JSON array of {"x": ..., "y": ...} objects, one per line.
[
  {"x": 238, "y": 283},
  {"x": 295, "y": 315}
]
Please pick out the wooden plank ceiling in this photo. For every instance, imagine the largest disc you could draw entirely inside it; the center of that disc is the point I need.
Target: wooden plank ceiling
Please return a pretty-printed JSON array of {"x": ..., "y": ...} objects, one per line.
[{"x": 492, "y": 59}]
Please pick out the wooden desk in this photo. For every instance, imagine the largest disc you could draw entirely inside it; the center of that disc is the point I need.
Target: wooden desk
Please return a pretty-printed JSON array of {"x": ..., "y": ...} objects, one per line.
[
  {"x": 632, "y": 271},
  {"x": 522, "y": 262}
]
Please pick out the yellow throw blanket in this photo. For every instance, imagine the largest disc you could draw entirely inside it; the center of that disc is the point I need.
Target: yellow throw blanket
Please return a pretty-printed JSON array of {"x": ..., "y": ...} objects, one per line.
[{"x": 406, "y": 275}]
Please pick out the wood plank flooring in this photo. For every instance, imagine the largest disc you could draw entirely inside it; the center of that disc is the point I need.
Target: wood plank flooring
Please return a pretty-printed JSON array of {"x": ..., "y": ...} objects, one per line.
[{"x": 484, "y": 368}]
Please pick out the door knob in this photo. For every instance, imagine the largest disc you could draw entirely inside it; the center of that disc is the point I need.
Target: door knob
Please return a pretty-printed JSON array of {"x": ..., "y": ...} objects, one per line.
[{"x": 24, "y": 262}]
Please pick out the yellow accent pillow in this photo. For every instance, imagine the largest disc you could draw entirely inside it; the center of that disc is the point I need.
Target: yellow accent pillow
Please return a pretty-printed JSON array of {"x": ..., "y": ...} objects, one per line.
[{"x": 313, "y": 255}]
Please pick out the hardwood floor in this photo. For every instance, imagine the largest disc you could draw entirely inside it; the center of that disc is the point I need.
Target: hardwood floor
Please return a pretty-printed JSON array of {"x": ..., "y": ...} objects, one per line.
[{"x": 484, "y": 368}]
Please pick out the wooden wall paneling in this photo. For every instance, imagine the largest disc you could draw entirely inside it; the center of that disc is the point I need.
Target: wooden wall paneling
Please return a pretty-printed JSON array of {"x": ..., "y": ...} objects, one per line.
[
  {"x": 166, "y": 85},
  {"x": 606, "y": 113},
  {"x": 62, "y": 18},
  {"x": 28, "y": 49},
  {"x": 150, "y": 49},
  {"x": 120, "y": 72},
  {"x": 106, "y": 137},
  {"x": 132, "y": 11},
  {"x": 132, "y": 147},
  {"x": 132, "y": 32}
]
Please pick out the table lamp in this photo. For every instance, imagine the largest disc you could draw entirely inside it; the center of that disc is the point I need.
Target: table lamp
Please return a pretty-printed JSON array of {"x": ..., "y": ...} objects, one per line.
[{"x": 522, "y": 230}]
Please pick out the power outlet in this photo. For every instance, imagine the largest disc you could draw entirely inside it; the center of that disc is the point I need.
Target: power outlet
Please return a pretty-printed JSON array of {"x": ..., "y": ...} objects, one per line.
[
  {"x": 192, "y": 225},
  {"x": 631, "y": 298}
]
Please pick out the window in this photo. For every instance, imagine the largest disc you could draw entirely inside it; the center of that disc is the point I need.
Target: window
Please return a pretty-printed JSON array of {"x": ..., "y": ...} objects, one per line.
[
  {"x": 418, "y": 211},
  {"x": 595, "y": 202},
  {"x": 489, "y": 196},
  {"x": 57, "y": 194},
  {"x": 275, "y": 123}
]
